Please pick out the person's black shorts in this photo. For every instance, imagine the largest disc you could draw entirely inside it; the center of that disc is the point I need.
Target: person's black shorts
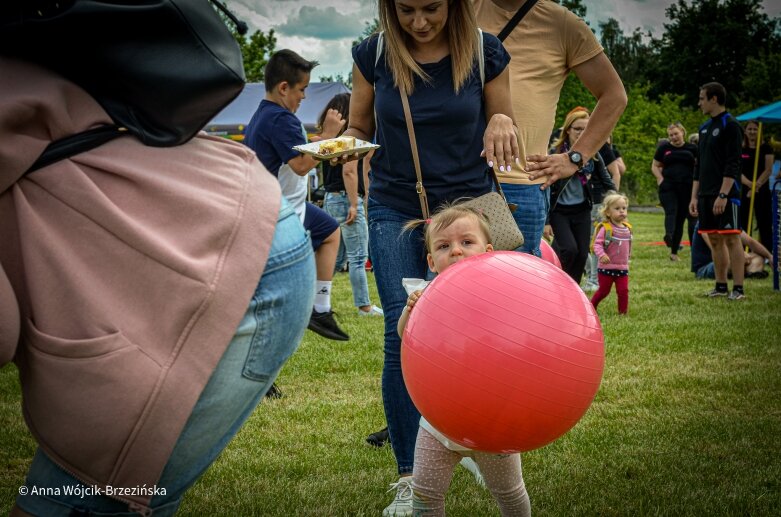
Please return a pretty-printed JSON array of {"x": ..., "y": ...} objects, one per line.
[
  {"x": 319, "y": 224},
  {"x": 726, "y": 223}
]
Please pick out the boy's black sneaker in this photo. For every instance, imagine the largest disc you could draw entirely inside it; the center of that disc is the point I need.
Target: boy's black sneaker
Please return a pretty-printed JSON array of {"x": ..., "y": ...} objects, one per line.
[
  {"x": 274, "y": 392},
  {"x": 378, "y": 439},
  {"x": 323, "y": 323}
]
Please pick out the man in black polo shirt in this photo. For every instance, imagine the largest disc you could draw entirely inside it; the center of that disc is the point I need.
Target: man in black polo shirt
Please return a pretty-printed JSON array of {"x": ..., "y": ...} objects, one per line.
[{"x": 716, "y": 189}]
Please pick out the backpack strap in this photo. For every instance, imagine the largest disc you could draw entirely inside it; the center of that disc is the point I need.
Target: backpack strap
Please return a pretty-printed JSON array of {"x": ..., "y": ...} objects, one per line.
[
  {"x": 608, "y": 234},
  {"x": 481, "y": 58},
  {"x": 516, "y": 19},
  {"x": 77, "y": 144},
  {"x": 380, "y": 43}
]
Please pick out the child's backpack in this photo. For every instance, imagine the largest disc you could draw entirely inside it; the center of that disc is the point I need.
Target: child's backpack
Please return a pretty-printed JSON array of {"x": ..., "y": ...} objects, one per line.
[{"x": 608, "y": 233}]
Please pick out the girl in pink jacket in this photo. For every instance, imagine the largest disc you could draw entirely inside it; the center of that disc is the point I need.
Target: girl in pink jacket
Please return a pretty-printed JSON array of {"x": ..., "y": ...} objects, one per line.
[{"x": 613, "y": 247}]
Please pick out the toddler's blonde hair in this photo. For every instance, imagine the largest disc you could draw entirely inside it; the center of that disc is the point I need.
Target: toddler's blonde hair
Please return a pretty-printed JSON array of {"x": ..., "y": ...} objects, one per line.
[
  {"x": 446, "y": 215},
  {"x": 611, "y": 198}
]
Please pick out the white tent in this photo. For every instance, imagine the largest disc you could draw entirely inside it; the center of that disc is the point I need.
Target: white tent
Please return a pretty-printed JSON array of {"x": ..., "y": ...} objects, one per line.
[{"x": 232, "y": 120}]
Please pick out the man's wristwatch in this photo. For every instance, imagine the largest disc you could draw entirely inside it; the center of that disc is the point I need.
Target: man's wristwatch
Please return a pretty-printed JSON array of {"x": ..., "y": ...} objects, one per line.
[
  {"x": 576, "y": 158},
  {"x": 722, "y": 195}
]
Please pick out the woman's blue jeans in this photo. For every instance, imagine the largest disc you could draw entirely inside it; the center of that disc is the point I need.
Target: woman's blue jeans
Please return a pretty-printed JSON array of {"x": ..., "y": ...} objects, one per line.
[
  {"x": 531, "y": 213},
  {"x": 267, "y": 336},
  {"x": 355, "y": 243},
  {"x": 396, "y": 254}
]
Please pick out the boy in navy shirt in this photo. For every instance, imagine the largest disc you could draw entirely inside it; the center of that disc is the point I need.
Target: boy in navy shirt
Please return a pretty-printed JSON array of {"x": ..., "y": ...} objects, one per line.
[{"x": 272, "y": 133}]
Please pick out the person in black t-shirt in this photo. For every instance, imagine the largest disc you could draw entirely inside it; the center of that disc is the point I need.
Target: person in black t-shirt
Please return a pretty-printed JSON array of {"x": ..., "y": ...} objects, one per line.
[
  {"x": 763, "y": 213},
  {"x": 715, "y": 195},
  {"x": 673, "y": 166}
]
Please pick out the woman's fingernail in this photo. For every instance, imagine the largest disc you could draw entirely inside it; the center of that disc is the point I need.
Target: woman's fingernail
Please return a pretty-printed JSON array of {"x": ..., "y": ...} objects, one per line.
[
  {"x": 490, "y": 163},
  {"x": 501, "y": 168}
]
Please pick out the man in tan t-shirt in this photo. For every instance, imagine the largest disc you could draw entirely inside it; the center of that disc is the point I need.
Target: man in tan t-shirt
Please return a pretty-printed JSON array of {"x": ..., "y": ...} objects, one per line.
[{"x": 545, "y": 46}]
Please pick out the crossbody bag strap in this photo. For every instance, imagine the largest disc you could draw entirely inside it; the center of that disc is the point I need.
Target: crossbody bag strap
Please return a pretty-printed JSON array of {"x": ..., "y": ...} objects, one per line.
[
  {"x": 519, "y": 14},
  {"x": 76, "y": 144},
  {"x": 419, "y": 188},
  {"x": 511, "y": 206}
]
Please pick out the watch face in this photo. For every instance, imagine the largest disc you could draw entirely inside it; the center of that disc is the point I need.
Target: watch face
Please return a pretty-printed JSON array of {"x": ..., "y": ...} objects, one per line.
[{"x": 576, "y": 158}]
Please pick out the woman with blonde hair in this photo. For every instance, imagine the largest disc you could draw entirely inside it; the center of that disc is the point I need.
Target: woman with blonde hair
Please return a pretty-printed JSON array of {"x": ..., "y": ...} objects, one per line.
[
  {"x": 673, "y": 167},
  {"x": 457, "y": 84},
  {"x": 569, "y": 219}
]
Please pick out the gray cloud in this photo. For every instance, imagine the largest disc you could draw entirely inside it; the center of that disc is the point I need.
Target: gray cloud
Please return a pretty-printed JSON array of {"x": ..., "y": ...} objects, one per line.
[{"x": 323, "y": 23}]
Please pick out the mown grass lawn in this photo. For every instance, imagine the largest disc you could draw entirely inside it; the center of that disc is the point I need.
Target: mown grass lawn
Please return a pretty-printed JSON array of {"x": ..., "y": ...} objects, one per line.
[{"x": 687, "y": 420}]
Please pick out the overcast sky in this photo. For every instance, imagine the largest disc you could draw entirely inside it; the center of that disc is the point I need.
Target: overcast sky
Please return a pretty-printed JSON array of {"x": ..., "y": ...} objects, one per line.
[{"x": 323, "y": 30}]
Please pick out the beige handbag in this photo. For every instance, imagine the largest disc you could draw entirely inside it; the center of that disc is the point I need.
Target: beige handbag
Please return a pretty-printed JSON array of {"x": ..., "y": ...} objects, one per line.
[{"x": 505, "y": 233}]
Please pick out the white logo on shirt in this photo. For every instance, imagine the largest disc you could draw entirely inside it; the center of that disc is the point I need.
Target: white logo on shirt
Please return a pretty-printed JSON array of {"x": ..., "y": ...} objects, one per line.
[{"x": 716, "y": 132}]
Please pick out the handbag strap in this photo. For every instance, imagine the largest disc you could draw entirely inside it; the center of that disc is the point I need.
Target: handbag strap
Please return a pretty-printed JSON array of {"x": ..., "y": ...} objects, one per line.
[
  {"x": 519, "y": 14},
  {"x": 419, "y": 188}
]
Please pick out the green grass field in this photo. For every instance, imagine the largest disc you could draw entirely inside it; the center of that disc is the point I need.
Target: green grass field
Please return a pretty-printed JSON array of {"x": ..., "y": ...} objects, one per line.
[{"x": 687, "y": 420}]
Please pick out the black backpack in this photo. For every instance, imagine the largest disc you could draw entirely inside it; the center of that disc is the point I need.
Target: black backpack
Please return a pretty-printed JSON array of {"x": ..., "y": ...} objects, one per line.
[{"x": 160, "y": 68}]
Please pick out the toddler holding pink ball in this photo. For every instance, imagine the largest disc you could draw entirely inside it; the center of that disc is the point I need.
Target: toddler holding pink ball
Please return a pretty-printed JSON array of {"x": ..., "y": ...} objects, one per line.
[{"x": 454, "y": 233}]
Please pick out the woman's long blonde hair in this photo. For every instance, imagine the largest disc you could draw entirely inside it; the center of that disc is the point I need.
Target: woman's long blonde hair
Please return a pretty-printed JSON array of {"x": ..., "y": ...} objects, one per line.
[
  {"x": 572, "y": 116},
  {"x": 461, "y": 27}
]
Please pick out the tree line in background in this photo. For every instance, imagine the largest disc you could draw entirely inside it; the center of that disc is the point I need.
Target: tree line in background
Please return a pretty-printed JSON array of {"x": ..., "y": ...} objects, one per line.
[{"x": 730, "y": 41}]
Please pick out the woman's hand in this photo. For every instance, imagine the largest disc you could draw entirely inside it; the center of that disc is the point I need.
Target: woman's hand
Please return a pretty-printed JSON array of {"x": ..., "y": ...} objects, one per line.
[
  {"x": 693, "y": 211},
  {"x": 500, "y": 143},
  {"x": 547, "y": 232}
]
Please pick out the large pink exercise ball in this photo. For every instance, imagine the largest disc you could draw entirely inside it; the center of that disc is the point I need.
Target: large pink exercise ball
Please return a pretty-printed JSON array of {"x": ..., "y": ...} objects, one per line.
[
  {"x": 548, "y": 253},
  {"x": 503, "y": 352}
]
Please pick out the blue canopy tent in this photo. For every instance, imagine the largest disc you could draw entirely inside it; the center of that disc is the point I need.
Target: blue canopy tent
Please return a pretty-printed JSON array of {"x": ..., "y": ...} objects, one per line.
[
  {"x": 767, "y": 114},
  {"x": 231, "y": 121}
]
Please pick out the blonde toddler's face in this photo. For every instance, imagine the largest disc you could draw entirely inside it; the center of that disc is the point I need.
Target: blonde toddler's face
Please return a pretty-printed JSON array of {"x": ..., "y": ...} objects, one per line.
[
  {"x": 617, "y": 211},
  {"x": 464, "y": 238}
]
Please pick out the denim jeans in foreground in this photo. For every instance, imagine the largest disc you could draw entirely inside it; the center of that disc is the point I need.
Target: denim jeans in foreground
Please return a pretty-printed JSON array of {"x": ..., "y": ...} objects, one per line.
[
  {"x": 395, "y": 255},
  {"x": 531, "y": 213},
  {"x": 267, "y": 336},
  {"x": 355, "y": 243}
]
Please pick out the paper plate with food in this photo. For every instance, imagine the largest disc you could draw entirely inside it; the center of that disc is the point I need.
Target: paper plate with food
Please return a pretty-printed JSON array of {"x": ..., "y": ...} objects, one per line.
[{"x": 335, "y": 147}]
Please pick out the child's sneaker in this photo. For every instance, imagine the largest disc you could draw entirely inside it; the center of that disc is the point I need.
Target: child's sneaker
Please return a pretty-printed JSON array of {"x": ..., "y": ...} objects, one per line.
[
  {"x": 274, "y": 392},
  {"x": 323, "y": 323},
  {"x": 373, "y": 311},
  {"x": 590, "y": 287},
  {"x": 736, "y": 295},
  {"x": 401, "y": 506}
]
